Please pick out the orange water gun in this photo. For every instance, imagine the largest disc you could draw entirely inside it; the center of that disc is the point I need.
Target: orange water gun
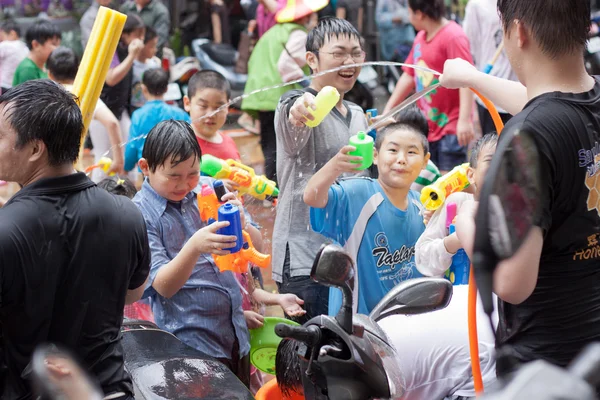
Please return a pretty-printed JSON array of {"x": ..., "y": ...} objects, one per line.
[
  {"x": 249, "y": 183},
  {"x": 209, "y": 205},
  {"x": 104, "y": 164}
]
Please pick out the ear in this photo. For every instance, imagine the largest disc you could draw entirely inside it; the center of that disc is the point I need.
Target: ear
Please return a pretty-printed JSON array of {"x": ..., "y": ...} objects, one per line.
[
  {"x": 143, "y": 164},
  {"x": 312, "y": 60},
  {"x": 471, "y": 175},
  {"x": 426, "y": 160},
  {"x": 34, "y": 44},
  {"x": 522, "y": 34},
  {"x": 145, "y": 91},
  {"x": 375, "y": 154},
  {"x": 38, "y": 150},
  {"x": 186, "y": 104}
]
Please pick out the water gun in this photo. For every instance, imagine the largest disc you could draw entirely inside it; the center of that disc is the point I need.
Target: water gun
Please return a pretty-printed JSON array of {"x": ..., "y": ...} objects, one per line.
[
  {"x": 104, "y": 164},
  {"x": 458, "y": 273},
  {"x": 434, "y": 195},
  {"x": 490, "y": 65},
  {"x": 249, "y": 183},
  {"x": 372, "y": 113},
  {"x": 244, "y": 252}
]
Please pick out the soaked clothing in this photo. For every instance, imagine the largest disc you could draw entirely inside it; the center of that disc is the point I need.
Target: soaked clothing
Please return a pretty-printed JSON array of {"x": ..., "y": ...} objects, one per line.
[
  {"x": 206, "y": 313},
  {"x": 69, "y": 252},
  {"x": 562, "y": 315},
  {"x": 300, "y": 153}
]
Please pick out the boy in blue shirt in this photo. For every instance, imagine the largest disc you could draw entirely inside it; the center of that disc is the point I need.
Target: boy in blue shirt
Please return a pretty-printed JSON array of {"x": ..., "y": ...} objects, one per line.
[
  {"x": 377, "y": 221},
  {"x": 154, "y": 86},
  {"x": 190, "y": 297}
]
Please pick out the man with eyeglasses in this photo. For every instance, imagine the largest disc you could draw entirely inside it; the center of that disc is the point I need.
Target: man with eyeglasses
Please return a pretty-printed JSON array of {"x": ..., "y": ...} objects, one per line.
[{"x": 448, "y": 111}]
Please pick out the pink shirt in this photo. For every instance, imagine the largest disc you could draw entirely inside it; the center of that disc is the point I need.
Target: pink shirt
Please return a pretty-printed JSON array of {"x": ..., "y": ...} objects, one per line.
[
  {"x": 441, "y": 106},
  {"x": 266, "y": 19}
]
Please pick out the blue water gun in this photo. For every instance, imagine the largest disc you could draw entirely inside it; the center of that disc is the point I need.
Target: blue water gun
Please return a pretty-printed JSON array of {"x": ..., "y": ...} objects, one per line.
[{"x": 458, "y": 273}]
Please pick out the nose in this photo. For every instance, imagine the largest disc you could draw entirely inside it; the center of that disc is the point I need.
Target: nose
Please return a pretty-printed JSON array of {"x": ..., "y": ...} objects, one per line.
[{"x": 401, "y": 159}]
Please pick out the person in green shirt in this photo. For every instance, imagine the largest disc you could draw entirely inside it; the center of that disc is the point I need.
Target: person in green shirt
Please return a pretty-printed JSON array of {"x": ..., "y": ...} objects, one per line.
[{"x": 41, "y": 38}]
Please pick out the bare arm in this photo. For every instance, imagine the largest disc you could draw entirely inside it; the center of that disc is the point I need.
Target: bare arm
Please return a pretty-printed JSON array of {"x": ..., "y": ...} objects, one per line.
[
  {"x": 116, "y": 74},
  {"x": 135, "y": 294},
  {"x": 464, "y": 128},
  {"x": 111, "y": 123},
  {"x": 509, "y": 95},
  {"x": 270, "y": 5},
  {"x": 404, "y": 86}
]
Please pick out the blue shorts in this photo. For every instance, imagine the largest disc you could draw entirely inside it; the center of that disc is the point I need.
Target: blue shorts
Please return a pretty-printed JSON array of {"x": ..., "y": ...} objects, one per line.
[{"x": 446, "y": 153}]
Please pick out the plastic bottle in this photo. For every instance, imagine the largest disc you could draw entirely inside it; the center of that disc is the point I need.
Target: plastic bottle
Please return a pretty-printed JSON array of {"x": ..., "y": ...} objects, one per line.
[
  {"x": 461, "y": 265},
  {"x": 231, "y": 213},
  {"x": 364, "y": 149},
  {"x": 327, "y": 98},
  {"x": 219, "y": 189},
  {"x": 372, "y": 113}
]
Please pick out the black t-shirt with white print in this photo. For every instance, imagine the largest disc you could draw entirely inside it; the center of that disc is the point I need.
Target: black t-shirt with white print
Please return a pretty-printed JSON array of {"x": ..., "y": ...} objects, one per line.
[{"x": 563, "y": 313}]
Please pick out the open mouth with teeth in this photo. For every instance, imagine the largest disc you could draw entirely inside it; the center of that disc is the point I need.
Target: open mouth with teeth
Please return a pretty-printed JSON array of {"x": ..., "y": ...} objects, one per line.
[{"x": 346, "y": 74}]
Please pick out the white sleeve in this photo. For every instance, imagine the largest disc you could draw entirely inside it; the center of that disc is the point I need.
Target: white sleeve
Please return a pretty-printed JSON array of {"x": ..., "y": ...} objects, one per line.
[{"x": 431, "y": 256}]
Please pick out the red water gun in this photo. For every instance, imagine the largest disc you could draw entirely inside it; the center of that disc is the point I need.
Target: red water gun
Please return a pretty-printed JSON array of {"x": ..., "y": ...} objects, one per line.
[{"x": 209, "y": 205}]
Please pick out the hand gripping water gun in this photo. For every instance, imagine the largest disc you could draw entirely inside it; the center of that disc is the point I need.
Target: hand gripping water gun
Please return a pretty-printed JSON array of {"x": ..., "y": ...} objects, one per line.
[
  {"x": 434, "y": 195},
  {"x": 256, "y": 186},
  {"x": 104, "y": 164},
  {"x": 325, "y": 100},
  {"x": 244, "y": 251},
  {"x": 458, "y": 273}
]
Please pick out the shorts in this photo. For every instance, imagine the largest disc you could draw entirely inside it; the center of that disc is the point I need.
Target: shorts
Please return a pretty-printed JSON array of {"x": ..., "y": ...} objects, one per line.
[{"x": 446, "y": 153}]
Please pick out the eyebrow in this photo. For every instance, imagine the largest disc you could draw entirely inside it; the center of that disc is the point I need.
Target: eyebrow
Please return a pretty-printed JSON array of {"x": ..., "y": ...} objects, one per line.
[{"x": 339, "y": 46}]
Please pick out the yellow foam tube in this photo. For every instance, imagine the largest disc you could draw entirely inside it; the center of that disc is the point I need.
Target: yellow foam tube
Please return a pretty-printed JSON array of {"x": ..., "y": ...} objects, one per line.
[{"x": 95, "y": 63}]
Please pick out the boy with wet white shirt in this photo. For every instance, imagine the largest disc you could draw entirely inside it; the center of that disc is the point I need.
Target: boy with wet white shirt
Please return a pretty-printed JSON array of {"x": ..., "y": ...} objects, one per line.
[{"x": 301, "y": 151}]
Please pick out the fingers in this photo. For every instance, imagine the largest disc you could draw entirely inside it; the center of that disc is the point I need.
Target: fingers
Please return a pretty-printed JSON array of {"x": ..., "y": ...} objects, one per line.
[
  {"x": 302, "y": 109},
  {"x": 299, "y": 300},
  {"x": 229, "y": 197},
  {"x": 215, "y": 226}
]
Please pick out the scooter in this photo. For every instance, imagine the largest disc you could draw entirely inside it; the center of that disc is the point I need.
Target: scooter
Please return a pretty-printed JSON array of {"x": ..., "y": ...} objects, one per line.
[{"x": 350, "y": 357}]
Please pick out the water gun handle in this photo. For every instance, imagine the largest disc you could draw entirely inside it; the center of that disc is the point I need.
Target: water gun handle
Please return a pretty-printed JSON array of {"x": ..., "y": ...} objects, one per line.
[
  {"x": 238, "y": 262},
  {"x": 252, "y": 255}
]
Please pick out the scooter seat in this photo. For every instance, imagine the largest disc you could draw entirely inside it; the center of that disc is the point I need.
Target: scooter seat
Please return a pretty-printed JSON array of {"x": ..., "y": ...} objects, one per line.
[
  {"x": 221, "y": 53},
  {"x": 163, "y": 367}
]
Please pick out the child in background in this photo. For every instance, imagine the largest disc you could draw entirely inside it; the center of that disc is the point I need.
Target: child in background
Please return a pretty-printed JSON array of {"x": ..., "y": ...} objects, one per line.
[
  {"x": 435, "y": 248},
  {"x": 187, "y": 291},
  {"x": 12, "y": 52},
  {"x": 154, "y": 86},
  {"x": 448, "y": 111},
  {"x": 145, "y": 60},
  {"x": 62, "y": 68},
  {"x": 124, "y": 187},
  {"x": 385, "y": 212},
  {"x": 207, "y": 92},
  {"x": 41, "y": 39}
]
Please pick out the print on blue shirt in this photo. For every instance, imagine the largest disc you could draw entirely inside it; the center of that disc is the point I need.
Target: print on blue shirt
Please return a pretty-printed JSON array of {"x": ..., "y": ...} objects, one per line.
[{"x": 385, "y": 254}]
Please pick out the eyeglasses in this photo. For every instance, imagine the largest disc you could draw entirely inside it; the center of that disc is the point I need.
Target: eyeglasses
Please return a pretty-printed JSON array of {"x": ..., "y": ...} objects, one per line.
[{"x": 358, "y": 55}]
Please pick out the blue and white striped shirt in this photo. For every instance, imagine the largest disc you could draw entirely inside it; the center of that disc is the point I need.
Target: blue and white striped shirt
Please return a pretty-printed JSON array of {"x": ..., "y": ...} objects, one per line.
[{"x": 206, "y": 313}]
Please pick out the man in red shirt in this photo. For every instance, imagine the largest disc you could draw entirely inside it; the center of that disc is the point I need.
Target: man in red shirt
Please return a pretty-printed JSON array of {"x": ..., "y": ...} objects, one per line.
[{"x": 448, "y": 111}]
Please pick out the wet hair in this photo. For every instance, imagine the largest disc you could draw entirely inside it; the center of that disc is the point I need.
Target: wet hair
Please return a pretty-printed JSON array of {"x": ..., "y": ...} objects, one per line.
[
  {"x": 119, "y": 186},
  {"x": 156, "y": 81},
  {"x": 287, "y": 367},
  {"x": 490, "y": 139},
  {"x": 328, "y": 28},
  {"x": 150, "y": 34},
  {"x": 170, "y": 140},
  {"x": 559, "y": 27},
  {"x": 208, "y": 79},
  {"x": 41, "y": 31},
  {"x": 63, "y": 64},
  {"x": 42, "y": 110},
  {"x": 410, "y": 118},
  {"x": 133, "y": 23},
  {"x": 10, "y": 25},
  {"x": 434, "y": 9}
]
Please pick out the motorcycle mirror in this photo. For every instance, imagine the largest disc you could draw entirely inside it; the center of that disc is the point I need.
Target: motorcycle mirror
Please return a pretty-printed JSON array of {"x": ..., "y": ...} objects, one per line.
[
  {"x": 334, "y": 267},
  {"x": 56, "y": 375},
  {"x": 414, "y": 296},
  {"x": 509, "y": 205}
]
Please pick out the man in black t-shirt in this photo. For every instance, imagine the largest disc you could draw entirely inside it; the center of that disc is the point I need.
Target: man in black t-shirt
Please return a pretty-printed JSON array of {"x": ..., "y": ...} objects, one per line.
[
  {"x": 71, "y": 254},
  {"x": 550, "y": 290}
]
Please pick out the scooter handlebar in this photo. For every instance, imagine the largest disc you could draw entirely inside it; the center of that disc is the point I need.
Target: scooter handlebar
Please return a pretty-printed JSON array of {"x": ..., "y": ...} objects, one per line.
[{"x": 311, "y": 335}]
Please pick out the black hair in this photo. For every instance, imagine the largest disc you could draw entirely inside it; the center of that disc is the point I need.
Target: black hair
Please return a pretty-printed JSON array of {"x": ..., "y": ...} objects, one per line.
[
  {"x": 434, "y": 9},
  {"x": 63, "y": 64},
  {"x": 287, "y": 367},
  {"x": 156, "y": 81},
  {"x": 42, "y": 110},
  {"x": 10, "y": 25},
  {"x": 559, "y": 27},
  {"x": 41, "y": 31},
  {"x": 150, "y": 34},
  {"x": 410, "y": 118},
  {"x": 132, "y": 23},
  {"x": 119, "y": 186},
  {"x": 170, "y": 140},
  {"x": 328, "y": 28},
  {"x": 489, "y": 139},
  {"x": 208, "y": 79}
]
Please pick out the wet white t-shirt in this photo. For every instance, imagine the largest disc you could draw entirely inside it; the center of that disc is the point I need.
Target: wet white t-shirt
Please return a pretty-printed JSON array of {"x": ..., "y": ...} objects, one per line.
[{"x": 433, "y": 350}]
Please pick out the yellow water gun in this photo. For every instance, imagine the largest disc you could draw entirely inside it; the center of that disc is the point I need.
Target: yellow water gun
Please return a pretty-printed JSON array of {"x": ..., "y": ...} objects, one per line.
[
  {"x": 104, "y": 164},
  {"x": 434, "y": 195}
]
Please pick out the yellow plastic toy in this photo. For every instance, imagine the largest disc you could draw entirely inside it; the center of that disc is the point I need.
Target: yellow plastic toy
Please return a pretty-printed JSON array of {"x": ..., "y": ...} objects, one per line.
[
  {"x": 434, "y": 195},
  {"x": 104, "y": 164},
  {"x": 327, "y": 98}
]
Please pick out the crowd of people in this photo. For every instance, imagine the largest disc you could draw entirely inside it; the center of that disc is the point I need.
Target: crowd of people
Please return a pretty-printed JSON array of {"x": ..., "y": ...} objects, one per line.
[{"x": 75, "y": 257}]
